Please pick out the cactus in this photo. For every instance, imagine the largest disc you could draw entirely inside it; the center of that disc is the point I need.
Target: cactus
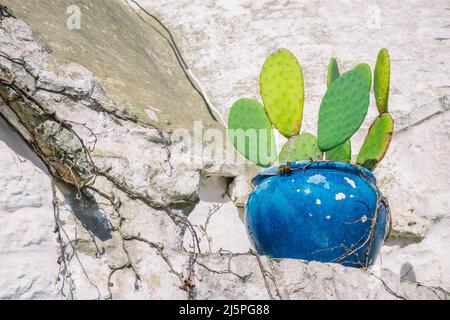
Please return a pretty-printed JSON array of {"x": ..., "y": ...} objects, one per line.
[
  {"x": 247, "y": 117},
  {"x": 377, "y": 141},
  {"x": 282, "y": 91},
  {"x": 342, "y": 111},
  {"x": 344, "y": 107},
  {"x": 333, "y": 72},
  {"x": 341, "y": 153},
  {"x": 381, "y": 80},
  {"x": 301, "y": 147}
]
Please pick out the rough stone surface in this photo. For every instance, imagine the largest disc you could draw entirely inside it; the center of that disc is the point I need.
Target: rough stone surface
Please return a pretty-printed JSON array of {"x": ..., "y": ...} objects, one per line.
[
  {"x": 128, "y": 234},
  {"x": 129, "y": 58},
  {"x": 234, "y": 38},
  {"x": 28, "y": 245},
  {"x": 226, "y": 42}
]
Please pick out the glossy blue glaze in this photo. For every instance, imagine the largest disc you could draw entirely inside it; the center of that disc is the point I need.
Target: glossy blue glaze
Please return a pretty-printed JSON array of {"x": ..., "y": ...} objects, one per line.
[{"x": 320, "y": 211}]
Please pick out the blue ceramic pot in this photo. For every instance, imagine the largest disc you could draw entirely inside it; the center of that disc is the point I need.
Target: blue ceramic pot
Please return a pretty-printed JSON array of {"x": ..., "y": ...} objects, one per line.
[{"x": 322, "y": 211}]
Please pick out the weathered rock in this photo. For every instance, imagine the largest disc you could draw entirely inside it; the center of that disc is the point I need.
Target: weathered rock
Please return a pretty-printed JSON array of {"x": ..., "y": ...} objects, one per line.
[
  {"x": 413, "y": 176},
  {"x": 116, "y": 189}
]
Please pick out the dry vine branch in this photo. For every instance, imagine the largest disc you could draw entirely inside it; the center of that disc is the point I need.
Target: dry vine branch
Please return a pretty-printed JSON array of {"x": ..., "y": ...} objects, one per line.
[
  {"x": 225, "y": 271},
  {"x": 388, "y": 289},
  {"x": 5, "y": 13}
]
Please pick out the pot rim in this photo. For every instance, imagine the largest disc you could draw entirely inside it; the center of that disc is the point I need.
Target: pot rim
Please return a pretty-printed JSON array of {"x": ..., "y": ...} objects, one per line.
[{"x": 320, "y": 164}]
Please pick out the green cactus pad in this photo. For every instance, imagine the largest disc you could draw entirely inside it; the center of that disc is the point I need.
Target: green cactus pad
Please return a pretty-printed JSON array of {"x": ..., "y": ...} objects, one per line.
[
  {"x": 248, "y": 114},
  {"x": 377, "y": 141},
  {"x": 341, "y": 153},
  {"x": 301, "y": 147},
  {"x": 381, "y": 80},
  {"x": 343, "y": 108},
  {"x": 282, "y": 91},
  {"x": 333, "y": 72},
  {"x": 364, "y": 69}
]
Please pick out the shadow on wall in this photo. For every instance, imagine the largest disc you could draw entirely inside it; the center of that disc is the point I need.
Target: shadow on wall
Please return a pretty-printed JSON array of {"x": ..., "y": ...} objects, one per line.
[{"x": 86, "y": 209}]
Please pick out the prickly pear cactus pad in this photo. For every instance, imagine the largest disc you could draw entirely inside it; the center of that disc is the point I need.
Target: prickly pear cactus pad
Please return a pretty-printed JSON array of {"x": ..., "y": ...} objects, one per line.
[
  {"x": 282, "y": 91},
  {"x": 301, "y": 147},
  {"x": 377, "y": 141},
  {"x": 381, "y": 80},
  {"x": 251, "y": 132},
  {"x": 344, "y": 107},
  {"x": 342, "y": 153},
  {"x": 333, "y": 72}
]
